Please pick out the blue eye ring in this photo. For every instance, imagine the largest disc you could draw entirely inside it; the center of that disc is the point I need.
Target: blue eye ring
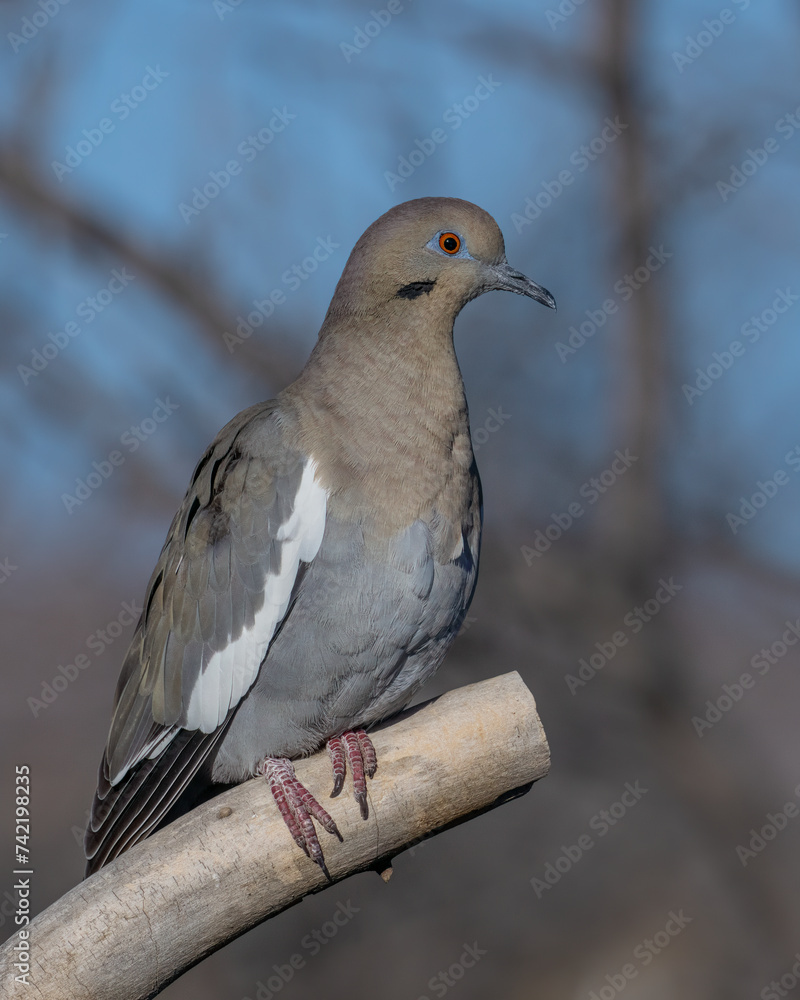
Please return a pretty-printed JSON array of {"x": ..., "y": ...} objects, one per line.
[{"x": 449, "y": 243}]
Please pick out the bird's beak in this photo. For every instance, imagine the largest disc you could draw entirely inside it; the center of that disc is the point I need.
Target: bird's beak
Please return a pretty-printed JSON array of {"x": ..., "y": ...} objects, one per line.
[{"x": 505, "y": 278}]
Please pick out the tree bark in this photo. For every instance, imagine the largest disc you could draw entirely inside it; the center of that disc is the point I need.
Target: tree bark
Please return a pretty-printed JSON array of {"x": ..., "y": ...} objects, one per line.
[{"x": 159, "y": 909}]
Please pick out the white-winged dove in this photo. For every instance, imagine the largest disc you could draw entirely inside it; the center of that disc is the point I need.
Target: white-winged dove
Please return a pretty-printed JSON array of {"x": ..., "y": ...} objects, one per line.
[{"x": 326, "y": 552}]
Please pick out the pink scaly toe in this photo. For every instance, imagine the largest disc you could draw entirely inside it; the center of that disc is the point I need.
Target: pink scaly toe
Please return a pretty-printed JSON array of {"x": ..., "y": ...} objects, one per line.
[
  {"x": 355, "y": 748},
  {"x": 298, "y": 807}
]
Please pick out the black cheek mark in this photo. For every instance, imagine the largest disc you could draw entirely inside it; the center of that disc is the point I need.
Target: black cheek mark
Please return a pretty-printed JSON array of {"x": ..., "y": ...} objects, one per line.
[{"x": 415, "y": 289}]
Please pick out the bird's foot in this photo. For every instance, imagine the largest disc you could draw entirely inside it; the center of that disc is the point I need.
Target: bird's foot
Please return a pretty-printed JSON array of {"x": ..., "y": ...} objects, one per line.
[
  {"x": 298, "y": 807},
  {"x": 353, "y": 747}
]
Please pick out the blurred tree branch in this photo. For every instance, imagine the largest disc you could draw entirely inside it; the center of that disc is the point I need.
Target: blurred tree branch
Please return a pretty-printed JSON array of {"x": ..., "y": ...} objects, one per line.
[
  {"x": 204, "y": 306},
  {"x": 636, "y": 539}
]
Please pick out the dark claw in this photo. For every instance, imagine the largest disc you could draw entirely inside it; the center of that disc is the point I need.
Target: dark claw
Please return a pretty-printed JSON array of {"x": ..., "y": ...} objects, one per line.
[
  {"x": 339, "y": 763},
  {"x": 353, "y": 748},
  {"x": 299, "y": 809}
]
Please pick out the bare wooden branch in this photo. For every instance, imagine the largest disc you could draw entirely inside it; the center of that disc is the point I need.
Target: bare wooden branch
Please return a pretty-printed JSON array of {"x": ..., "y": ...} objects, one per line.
[{"x": 177, "y": 897}]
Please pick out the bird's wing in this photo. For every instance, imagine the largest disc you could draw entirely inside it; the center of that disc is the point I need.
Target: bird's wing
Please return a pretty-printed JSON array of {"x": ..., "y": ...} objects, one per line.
[{"x": 223, "y": 584}]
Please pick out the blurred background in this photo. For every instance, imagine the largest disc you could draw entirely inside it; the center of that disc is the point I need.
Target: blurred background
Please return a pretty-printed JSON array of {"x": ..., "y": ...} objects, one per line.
[{"x": 166, "y": 167}]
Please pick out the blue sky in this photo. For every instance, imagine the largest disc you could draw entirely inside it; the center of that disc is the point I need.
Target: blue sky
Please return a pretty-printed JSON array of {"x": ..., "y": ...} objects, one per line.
[{"x": 347, "y": 120}]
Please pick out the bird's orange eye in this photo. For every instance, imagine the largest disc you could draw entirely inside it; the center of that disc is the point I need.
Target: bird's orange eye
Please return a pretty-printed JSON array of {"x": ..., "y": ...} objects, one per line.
[{"x": 450, "y": 243}]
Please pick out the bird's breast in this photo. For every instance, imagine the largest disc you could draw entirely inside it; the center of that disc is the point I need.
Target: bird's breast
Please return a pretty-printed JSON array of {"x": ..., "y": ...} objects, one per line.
[{"x": 388, "y": 477}]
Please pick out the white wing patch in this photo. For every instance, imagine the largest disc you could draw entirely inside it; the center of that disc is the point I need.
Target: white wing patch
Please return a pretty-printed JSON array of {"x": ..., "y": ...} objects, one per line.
[{"x": 229, "y": 673}]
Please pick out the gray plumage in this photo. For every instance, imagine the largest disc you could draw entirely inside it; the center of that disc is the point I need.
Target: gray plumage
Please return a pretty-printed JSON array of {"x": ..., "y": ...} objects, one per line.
[{"x": 326, "y": 552}]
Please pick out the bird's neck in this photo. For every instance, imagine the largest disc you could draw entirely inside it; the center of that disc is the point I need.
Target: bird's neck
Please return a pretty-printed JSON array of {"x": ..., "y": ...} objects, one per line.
[{"x": 383, "y": 411}]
